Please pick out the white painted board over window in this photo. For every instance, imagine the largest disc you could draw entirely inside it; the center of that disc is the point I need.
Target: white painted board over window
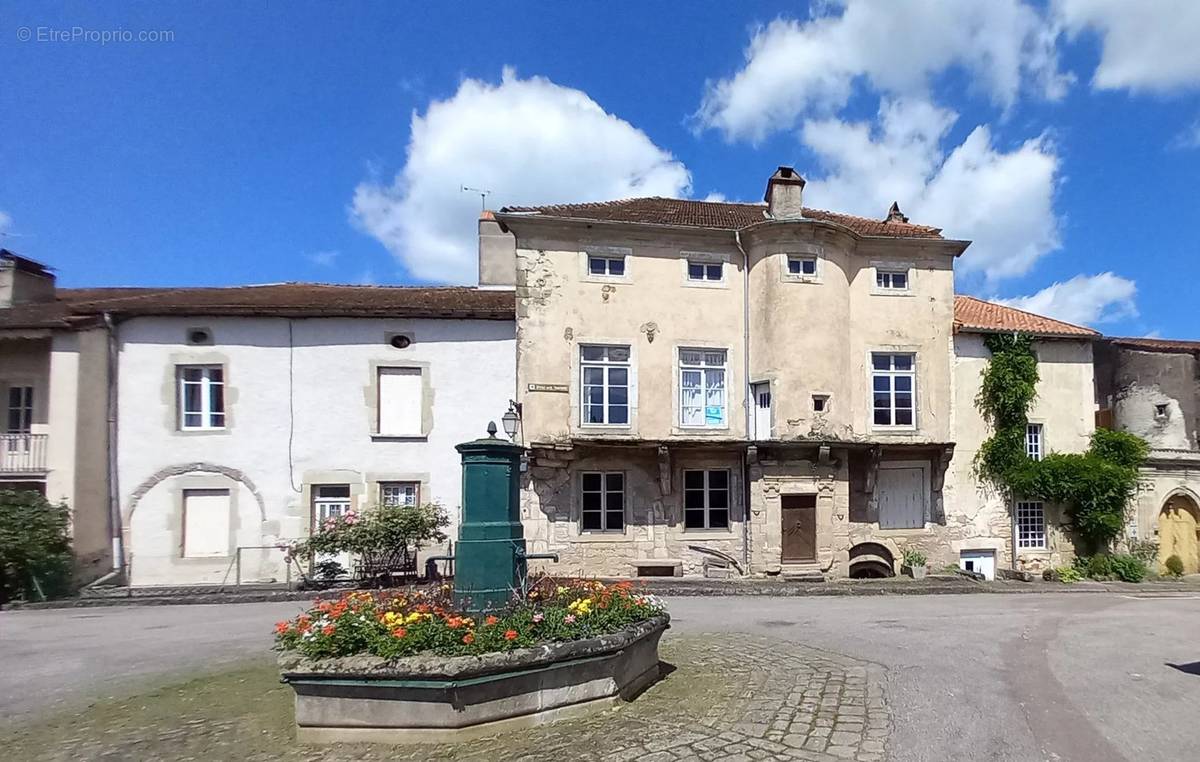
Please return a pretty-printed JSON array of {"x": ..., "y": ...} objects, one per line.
[
  {"x": 901, "y": 498},
  {"x": 205, "y": 523},
  {"x": 400, "y": 392}
]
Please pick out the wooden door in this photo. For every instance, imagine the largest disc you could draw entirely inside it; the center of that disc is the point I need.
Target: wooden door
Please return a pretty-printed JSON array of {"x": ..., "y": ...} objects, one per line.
[
  {"x": 1177, "y": 534},
  {"x": 799, "y": 514},
  {"x": 900, "y": 495}
]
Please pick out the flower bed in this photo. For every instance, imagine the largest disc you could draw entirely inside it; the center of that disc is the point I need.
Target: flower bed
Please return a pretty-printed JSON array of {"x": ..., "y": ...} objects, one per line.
[
  {"x": 394, "y": 624},
  {"x": 406, "y": 667}
]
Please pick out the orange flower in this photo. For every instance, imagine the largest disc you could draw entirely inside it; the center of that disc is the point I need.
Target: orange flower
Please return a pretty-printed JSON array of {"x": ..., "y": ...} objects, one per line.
[
  {"x": 454, "y": 622},
  {"x": 510, "y": 635},
  {"x": 491, "y": 620},
  {"x": 281, "y": 627},
  {"x": 328, "y": 629},
  {"x": 399, "y": 632},
  {"x": 469, "y": 638}
]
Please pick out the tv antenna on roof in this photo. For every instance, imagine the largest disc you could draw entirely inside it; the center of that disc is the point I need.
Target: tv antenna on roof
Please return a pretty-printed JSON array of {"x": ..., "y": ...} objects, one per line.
[{"x": 483, "y": 194}]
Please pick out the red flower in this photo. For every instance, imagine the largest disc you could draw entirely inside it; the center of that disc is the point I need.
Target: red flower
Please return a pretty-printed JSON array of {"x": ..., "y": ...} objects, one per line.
[
  {"x": 469, "y": 638},
  {"x": 510, "y": 635},
  {"x": 281, "y": 627},
  {"x": 399, "y": 632},
  {"x": 491, "y": 620},
  {"x": 328, "y": 629}
]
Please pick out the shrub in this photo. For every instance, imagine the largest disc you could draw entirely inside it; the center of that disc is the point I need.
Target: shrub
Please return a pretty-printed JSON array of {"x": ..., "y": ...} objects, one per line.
[
  {"x": 1174, "y": 566},
  {"x": 1119, "y": 447},
  {"x": 914, "y": 558},
  {"x": 1128, "y": 568},
  {"x": 1064, "y": 574},
  {"x": 35, "y": 547},
  {"x": 377, "y": 531},
  {"x": 397, "y": 624}
]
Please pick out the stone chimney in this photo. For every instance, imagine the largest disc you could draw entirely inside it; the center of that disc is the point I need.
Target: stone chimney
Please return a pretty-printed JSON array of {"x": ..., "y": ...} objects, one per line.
[
  {"x": 894, "y": 214},
  {"x": 497, "y": 253},
  {"x": 23, "y": 281},
  {"x": 785, "y": 195}
]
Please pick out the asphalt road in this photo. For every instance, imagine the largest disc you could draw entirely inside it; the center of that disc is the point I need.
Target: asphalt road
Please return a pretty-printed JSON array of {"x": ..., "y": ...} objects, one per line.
[{"x": 1075, "y": 676}]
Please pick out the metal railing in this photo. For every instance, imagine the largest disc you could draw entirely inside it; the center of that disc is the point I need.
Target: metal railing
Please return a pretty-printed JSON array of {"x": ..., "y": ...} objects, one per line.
[{"x": 22, "y": 453}]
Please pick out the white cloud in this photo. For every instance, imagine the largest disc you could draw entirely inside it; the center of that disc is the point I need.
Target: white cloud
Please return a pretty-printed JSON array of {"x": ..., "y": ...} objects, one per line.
[
  {"x": 323, "y": 258},
  {"x": 1144, "y": 45},
  {"x": 810, "y": 68},
  {"x": 1003, "y": 201},
  {"x": 1189, "y": 138},
  {"x": 1084, "y": 299},
  {"x": 529, "y": 141}
]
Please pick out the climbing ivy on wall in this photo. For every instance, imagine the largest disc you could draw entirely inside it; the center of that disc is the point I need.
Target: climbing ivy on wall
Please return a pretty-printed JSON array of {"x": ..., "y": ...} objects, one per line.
[{"x": 1095, "y": 486}]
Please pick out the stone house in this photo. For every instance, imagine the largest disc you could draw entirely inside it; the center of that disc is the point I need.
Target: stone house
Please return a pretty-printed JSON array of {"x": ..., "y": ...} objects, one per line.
[
  {"x": 769, "y": 388},
  {"x": 1151, "y": 387}
]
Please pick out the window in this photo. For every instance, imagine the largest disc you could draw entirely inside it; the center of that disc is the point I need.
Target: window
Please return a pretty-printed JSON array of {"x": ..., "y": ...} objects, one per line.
[
  {"x": 801, "y": 265},
  {"x": 205, "y": 523},
  {"x": 702, "y": 387},
  {"x": 605, "y": 374},
  {"x": 201, "y": 397},
  {"x": 399, "y": 494},
  {"x": 1033, "y": 441},
  {"x": 603, "y": 506},
  {"x": 600, "y": 265},
  {"x": 20, "y": 409},
  {"x": 1031, "y": 525},
  {"x": 1161, "y": 410},
  {"x": 892, "y": 383},
  {"x": 706, "y": 499},
  {"x": 891, "y": 280},
  {"x": 820, "y": 403},
  {"x": 330, "y": 501},
  {"x": 401, "y": 398},
  {"x": 711, "y": 272}
]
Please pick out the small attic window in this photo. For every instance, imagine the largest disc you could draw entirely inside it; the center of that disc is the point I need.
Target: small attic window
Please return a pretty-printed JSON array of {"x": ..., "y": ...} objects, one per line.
[
  {"x": 400, "y": 341},
  {"x": 199, "y": 337},
  {"x": 1161, "y": 410}
]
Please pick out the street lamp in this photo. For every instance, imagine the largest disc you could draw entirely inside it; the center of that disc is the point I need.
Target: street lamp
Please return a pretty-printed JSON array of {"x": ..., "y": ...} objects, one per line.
[{"x": 511, "y": 419}]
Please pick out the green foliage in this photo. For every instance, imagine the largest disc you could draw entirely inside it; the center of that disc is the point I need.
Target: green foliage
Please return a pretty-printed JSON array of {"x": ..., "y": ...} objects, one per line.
[
  {"x": 914, "y": 558},
  {"x": 1127, "y": 568},
  {"x": 1174, "y": 566},
  {"x": 1095, "y": 487},
  {"x": 35, "y": 547},
  {"x": 376, "y": 531},
  {"x": 1064, "y": 574},
  {"x": 329, "y": 570},
  {"x": 1103, "y": 566}
]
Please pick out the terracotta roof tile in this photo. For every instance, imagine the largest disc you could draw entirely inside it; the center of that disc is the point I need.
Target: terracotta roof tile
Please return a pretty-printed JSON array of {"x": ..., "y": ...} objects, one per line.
[
  {"x": 971, "y": 314},
  {"x": 1157, "y": 345},
  {"x": 721, "y": 215}
]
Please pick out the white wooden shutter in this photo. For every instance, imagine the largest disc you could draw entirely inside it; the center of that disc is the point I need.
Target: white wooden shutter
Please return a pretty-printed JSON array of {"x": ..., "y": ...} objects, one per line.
[
  {"x": 901, "y": 497},
  {"x": 400, "y": 392},
  {"x": 205, "y": 523}
]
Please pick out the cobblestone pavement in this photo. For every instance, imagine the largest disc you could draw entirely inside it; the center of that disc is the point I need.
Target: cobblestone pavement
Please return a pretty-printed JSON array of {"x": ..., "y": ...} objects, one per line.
[{"x": 724, "y": 697}]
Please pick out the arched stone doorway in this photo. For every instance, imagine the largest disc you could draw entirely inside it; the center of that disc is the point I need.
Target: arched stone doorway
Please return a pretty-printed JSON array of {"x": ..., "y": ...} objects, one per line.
[{"x": 1177, "y": 526}]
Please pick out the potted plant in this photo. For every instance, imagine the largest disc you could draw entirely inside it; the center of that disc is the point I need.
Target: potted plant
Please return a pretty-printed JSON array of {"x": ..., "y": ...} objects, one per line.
[{"x": 914, "y": 563}]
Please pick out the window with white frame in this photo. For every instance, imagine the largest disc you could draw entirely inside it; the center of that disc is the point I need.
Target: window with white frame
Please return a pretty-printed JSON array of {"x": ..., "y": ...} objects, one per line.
[
  {"x": 702, "y": 397},
  {"x": 330, "y": 501},
  {"x": 1031, "y": 525},
  {"x": 895, "y": 279},
  {"x": 802, "y": 264},
  {"x": 606, "y": 264},
  {"x": 201, "y": 397},
  {"x": 707, "y": 272},
  {"x": 1033, "y": 441},
  {"x": 20, "y": 409},
  {"x": 602, "y": 496},
  {"x": 893, "y": 388},
  {"x": 706, "y": 499},
  {"x": 401, "y": 402},
  {"x": 604, "y": 375},
  {"x": 399, "y": 494}
]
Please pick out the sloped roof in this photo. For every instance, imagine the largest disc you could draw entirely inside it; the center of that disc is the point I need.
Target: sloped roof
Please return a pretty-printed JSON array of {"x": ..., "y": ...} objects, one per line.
[
  {"x": 1157, "y": 345},
  {"x": 977, "y": 315},
  {"x": 721, "y": 215}
]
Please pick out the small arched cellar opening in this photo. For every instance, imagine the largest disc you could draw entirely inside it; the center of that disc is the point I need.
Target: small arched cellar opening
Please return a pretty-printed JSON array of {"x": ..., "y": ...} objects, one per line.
[{"x": 870, "y": 560}]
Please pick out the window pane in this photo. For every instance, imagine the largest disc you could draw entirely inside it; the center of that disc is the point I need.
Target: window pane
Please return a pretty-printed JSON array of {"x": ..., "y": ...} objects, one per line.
[
  {"x": 713, "y": 272},
  {"x": 900, "y": 280},
  {"x": 616, "y": 266},
  {"x": 614, "y": 482},
  {"x": 693, "y": 480},
  {"x": 718, "y": 519},
  {"x": 593, "y": 375},
  {"x": 191, "y": 398},
  {"x": 695, "y": 271},
  {"x": 718, "y": 479},
  {"x": 191, "y": 420},
  {"x": 216, "y": 420},
  {"x": 809, "y": 266},
  {"x": 618, "y": 395},
  {"x": 881, "y": 362},
  {"x": 216, "y": 398},
  {"x": 883, "y": 417},
  {"x": 794, "y": 266},
  {"x": 904, "y": 417},
  {"x": 591, "y": 520},
  {"x": 691, "y": 357},
  {"x": 618, "y": 414},
  {"x": 903, "y": 401},
  {"x": 593, "y": 395},
  {"x": 614, "y": 501},
  {"x": 618, "y": 376},
  {"x": 881, "y": 383},
  {"x": 903, "y": 362},
  {"x": 693, "y": 519},
  {"x": 192, "y": 374},
  {"x": 592, "y": 482},
  {"x": 616, "y": 521},
  {"x": 618, "y": 354},
  {"x": 593, "y": 414},
  {"x": 216, "y": 374},
  {"x": 904, "y": 383},
  {"x": 592, "y": 501},
  {"x": 693, "y": 498},
  {"x": 592, "y": 353},
  {"x": 882, "y": 402},
  {"x": 718, "y": 498},
  {"x": 596, "y": 265},
  {"x": 690, "y": 379},
  {"x": 333, "y": 490},
  {"x": 880, "y": 279}
]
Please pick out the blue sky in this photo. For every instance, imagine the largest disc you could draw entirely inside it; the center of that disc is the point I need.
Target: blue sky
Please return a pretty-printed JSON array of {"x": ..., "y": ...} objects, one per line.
[{"x": 321, "y": 141}]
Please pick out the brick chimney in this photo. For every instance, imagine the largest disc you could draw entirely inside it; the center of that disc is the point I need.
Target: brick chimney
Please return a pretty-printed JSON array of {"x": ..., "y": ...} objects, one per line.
[{"x": 785, "y": 194}]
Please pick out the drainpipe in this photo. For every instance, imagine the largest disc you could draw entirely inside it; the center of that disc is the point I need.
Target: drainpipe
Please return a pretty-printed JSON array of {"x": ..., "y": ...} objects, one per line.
[
  {"x": 737, "y": 240},
  {"x": 114, "y": 495}
]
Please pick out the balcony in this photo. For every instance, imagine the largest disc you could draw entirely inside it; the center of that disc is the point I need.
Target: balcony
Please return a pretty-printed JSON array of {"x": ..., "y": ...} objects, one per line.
[{"x": 23, "y": 453}]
